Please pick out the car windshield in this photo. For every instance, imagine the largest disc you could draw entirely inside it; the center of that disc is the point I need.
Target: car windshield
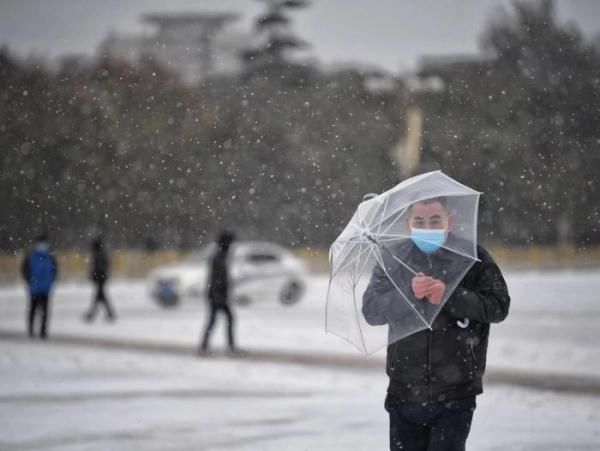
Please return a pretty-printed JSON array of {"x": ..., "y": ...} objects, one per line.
[
  {"x": 256, "y": 251},
  {"x": 202, "y": 255}
]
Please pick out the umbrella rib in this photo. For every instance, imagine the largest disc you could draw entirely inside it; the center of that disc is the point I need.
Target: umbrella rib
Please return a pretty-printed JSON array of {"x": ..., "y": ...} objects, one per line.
[
  {"x": 348, "y": 263},
  {"x": 399, "y": 261},
  {"x": 375, "y": 241},
  {"x": 357, "y": 260},
  {"x": 362, "y": 338},
  {"x": 354, "y": 283},
  {"x": 475, "y": 223},
  {"x": 331, "y": 277},
  {"x": 461, "y": 253},
  {"x": 383, "y": 216},
  {"x": 364, "y": 225},
  {"x": 359, "y": 239},
  {"x": 382, "y": 264},
  {"x": 389, "y": 236},
  {"x": 370, "y": 250},
  {"x": 351, "y": 261},
  {"x": 398, "y": 216},
  {"x": 385, "y": 205}
]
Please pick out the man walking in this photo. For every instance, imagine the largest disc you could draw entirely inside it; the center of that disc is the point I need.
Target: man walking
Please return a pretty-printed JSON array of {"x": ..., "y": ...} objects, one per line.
[
  {"x": 435, "y": 375},
  {"x": 39, "y": 270},
  {"x": 218, "y": 291},
  {"x": 99, "y": 275}
]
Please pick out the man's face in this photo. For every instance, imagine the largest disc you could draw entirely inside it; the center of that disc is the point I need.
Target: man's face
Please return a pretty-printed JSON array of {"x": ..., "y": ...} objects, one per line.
[{"x": 431, "y": 215}]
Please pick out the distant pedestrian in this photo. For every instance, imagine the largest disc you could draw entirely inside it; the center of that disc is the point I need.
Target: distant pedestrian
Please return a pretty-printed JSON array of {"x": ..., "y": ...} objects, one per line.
[
  {"x": 39, "y": 270},
  {"x": 99, "y": 270},
  {"x": 218, "y": 291}
]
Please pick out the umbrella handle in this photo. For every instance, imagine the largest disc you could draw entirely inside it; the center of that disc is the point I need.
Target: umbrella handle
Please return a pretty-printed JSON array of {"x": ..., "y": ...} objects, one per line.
[{"x": 463, "y": 324}]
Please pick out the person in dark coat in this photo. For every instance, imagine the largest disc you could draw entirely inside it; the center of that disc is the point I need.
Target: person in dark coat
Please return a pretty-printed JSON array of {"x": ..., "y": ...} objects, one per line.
[
  {"x": 435, "y": 375},
  {"x": 99, "y": 271},
  {"x": 218, "y": 291},
  {"x": 39, "y": 269}
]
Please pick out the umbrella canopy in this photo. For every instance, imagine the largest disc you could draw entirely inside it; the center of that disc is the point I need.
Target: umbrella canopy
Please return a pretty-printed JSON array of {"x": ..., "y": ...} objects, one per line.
[{"x": 399, "y": 260}]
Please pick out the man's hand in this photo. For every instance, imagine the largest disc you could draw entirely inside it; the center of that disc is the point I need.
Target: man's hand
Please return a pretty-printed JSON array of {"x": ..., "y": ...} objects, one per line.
[
  {"x": 427, "y": 287},
  {"x": 436, "y": 291},
  {"x": 421, "y": 285}
]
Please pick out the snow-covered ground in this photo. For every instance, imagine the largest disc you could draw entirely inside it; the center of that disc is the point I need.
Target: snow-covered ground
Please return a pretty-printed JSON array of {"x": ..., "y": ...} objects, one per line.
[
  {"x": 59, "y": 396},
  {"x": 552, "y": 326}
]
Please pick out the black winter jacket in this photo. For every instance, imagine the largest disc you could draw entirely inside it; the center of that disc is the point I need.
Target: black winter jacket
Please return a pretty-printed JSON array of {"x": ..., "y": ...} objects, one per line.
[
  {"x": 218, "y": 286},
  {"x": 99, "y": 266},
  {"x": 448, "y": 361}
]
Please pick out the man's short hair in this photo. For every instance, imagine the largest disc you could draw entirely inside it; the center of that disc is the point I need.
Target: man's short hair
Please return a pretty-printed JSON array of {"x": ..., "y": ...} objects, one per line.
[{"x": 443, "y": 201}]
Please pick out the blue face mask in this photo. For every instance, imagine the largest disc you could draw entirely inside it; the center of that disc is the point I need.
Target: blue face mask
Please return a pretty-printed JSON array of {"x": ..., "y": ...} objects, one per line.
[{"x": 428, "y": 240}]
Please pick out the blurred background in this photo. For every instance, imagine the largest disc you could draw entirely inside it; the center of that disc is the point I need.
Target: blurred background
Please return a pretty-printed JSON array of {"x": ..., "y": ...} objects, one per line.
[{"x": 155, "y": 124}]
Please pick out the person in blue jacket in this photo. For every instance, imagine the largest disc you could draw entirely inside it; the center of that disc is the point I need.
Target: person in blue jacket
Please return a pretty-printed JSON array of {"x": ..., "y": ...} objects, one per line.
[{"x": 39, "y": 271}]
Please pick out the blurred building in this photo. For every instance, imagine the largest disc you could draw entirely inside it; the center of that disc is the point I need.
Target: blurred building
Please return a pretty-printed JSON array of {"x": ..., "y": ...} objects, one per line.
[
  {"x": 433, "y": 71},
  {"x": 192, "y": 46},
  {"x": 431, "y": 76}
]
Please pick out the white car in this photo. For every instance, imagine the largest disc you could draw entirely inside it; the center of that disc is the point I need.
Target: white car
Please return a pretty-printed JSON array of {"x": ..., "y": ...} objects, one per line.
[{"x": 260, "y": 271}]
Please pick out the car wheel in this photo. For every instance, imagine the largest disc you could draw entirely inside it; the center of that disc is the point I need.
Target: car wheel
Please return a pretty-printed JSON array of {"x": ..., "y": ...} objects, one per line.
[
  {"x": 167, "y": 299},
  {"x": 291, "y": 293}
]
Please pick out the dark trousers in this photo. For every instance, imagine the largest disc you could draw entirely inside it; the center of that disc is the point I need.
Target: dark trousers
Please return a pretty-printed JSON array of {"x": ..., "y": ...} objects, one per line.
[
  {"x": 214, "y": 309},
  {"x": 438, "y": 426},
  {"x": 38, "y": 304},
  {"x": 100, "y": 299}
]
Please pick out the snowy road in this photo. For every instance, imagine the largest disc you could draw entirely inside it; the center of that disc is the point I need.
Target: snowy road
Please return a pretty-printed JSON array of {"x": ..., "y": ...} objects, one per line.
[
  {"x": 62, "y": 395},
  {"x": 79, "y": 398},
  {"x": 552, "y": 327}
]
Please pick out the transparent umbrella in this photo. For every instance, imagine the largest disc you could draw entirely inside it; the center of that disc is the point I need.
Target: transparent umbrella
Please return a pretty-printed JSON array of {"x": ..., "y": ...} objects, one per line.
[{"x": 399, "y": 259}]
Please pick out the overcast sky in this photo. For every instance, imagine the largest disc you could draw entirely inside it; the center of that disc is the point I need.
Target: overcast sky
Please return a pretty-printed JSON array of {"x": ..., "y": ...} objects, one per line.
[{"x": 389, "y": 33}]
